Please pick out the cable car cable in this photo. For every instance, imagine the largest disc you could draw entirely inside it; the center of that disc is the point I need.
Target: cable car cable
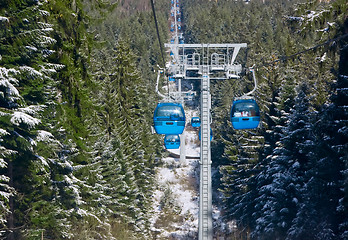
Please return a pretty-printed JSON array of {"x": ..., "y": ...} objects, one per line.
[
  {"x": 159, "y": 38},
  {"x": 158, "y": 35},
  {"x": 285, "y": 58}
]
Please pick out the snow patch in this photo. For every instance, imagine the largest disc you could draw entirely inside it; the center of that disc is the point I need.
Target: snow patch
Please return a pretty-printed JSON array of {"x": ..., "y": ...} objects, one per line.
[
  {"x": 6, "y": 80},
  {"x": 11, "y": 90},
  {"x": 323, "y": 58},
  {"x": 3, "y": 132},
  {"x": 54, "y": 66},
  {"x": 313, "y": 15},
  {"x": 42, "y": 159},
  {"x": 3, "y": 163},
  {"x": 3, "y": 19},
  {"x": 31, "y": 48},
  {"x": 44, "y": 136},
  {"x": 20, "y": 117},
  {"x": 45, "y": 25},
  {"x": 31, "y": 71},
  {"x": 5, "y": 195},
  {"x": 47, "y": 40},
  {"x": 44, "y": 13},
  {"x": 32, "y": 109}
]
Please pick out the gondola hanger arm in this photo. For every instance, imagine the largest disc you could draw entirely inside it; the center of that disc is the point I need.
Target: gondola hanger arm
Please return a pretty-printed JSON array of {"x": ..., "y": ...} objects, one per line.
[{"x": 251, "y": 69}]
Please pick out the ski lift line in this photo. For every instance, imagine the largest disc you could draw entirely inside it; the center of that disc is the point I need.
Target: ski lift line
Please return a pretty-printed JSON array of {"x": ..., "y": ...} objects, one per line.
[
  {"x": 285, "y": 58},
  {"x": 158, "y": 35}
]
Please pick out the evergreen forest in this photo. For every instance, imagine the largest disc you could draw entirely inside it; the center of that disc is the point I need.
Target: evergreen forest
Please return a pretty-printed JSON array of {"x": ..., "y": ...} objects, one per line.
[{"x": 77, "y": 94}]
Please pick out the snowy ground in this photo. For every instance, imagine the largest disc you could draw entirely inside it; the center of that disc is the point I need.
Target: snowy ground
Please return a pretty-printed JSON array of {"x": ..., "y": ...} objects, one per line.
[{"x": 176, "y": 201}]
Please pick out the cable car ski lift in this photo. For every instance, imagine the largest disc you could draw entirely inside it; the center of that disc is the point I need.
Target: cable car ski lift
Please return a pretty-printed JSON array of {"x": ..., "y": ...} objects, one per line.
[
  {"x": 169, "y": 118},
  {"x": 172, "y": 141},
  {"x": 245, "y": 113}
]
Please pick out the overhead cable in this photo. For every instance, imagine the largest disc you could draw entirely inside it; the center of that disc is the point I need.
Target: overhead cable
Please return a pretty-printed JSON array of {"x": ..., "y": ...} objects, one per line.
[
  {"x": 158, "y": 35},
  {"x": 285, "y": 58}
]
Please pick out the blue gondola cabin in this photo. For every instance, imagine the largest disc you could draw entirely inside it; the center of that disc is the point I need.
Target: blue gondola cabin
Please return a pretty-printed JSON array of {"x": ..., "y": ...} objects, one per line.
[
  {"x": 195, "y": 122},
  {"x": 172, "y": 141},
  {"x": 169, "y": 118},
  {"x": 245, "y": 114}
]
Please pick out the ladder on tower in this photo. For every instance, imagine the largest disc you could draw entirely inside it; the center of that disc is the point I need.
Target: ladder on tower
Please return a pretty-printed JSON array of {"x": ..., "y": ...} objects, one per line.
[{"x": 205, "y": 204}]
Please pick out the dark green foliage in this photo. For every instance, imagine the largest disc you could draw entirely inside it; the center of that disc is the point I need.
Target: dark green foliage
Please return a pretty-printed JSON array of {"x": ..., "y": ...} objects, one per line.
[
  {"x": 76, "y": 101},
  {"x": 25, "y": 78},
  {"x": 79, "y": 159}
]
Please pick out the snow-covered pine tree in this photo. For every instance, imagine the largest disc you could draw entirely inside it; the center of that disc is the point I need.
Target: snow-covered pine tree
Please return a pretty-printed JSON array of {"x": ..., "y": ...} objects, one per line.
[
  {"x": 321, "y": 211},
  {"x": 26, "y": 91},
  {"x": 280, "y": 181},
  {"x": 125, "y": 147},
  {"x": 323, "y": 181},
  {"x": 327, "y": 187},
  {"x": 339, "y": 119},
  {"x": 6, "y": 191}
]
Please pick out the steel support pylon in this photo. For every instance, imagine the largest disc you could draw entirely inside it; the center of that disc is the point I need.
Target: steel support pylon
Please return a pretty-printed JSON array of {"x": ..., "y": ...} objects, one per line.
[
  {"x": 205, "y": 200},
  {"x": 204, "y": 62}
]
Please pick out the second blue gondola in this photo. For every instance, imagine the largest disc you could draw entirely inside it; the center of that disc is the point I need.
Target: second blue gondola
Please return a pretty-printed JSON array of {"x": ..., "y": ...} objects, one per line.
[
  {"x": 172, "y": 141},
  {"x": 195, "y": 122},
  {"x": 245, "y": 114},
  {"x": 169, "y": 118}
]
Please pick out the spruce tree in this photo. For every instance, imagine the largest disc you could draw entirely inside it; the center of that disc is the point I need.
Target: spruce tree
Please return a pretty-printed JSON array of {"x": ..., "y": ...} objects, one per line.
[{"x": 26, "y": 88}]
